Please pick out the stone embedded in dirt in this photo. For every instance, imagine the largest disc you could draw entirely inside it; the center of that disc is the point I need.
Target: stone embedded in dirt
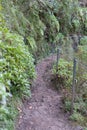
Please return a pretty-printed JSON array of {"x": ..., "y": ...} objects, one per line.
[
  {"x": 79, "y": 128},
  {"x": 30, "y": 107}
]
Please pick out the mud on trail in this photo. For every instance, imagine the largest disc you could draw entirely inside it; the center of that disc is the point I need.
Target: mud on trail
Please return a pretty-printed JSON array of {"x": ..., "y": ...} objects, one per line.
[{"x": 43, "y": 110}]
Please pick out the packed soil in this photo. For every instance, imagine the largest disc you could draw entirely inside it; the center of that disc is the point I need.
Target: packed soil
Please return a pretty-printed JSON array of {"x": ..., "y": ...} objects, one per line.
[{"x": 44, "y": 110}]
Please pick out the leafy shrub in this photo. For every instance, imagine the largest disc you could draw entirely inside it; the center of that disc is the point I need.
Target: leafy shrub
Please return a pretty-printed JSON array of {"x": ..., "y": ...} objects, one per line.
[
  {"x": 64, "y": 72},
  {"x": 77, "y": 117},
  {"x": 67, "y": 105},
  {"x": 8, "y": 115},
  {"x": 83, "y": 40},
  {"x": 82, "y": 73},
  {"x": 16, "y": 64}
]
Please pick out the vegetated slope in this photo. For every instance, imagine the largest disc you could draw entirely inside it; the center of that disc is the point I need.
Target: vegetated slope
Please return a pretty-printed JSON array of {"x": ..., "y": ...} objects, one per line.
[
  {"x": 16, "y": 71},
  {"x": 43, "y": 23},
  {"x": 44, "y": 110}
]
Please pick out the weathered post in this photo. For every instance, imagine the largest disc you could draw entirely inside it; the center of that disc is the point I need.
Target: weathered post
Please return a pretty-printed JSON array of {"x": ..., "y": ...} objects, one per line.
[
  {"x": 57, "y": 62},
  {"x": 73, "y": 84},
  {"x": 53, "y": 48},
  {"x": 58, "y": 54}
]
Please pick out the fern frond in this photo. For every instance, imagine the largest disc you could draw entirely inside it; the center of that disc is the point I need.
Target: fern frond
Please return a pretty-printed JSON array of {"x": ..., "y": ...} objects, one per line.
[{"x": 32, "y": 42}]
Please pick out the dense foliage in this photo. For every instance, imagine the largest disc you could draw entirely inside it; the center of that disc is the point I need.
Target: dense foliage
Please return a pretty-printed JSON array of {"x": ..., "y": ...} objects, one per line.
[
  {"x": 41, "y": 21},
  {"x": 16, "y": 69},
  {"x": 16, "y": 64}
]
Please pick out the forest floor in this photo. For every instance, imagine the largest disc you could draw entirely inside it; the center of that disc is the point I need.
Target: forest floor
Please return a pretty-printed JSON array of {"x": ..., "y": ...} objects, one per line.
[{"x": 43, "y": 111}]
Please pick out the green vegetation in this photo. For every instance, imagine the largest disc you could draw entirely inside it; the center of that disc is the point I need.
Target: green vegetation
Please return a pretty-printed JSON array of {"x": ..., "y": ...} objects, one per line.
[
  {"x": 16, "y": 71},
  {"x": 41, "y": 21},
  {"x": 16, "y": 64},
  {"x": 64, "y": 73},
  {"x": 65, "y": 76},
  {"x": 28, "y": 31}
]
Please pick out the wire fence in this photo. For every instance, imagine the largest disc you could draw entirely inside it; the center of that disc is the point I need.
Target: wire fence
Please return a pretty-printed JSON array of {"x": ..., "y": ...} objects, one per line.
[{"x": 79, "y": 75}]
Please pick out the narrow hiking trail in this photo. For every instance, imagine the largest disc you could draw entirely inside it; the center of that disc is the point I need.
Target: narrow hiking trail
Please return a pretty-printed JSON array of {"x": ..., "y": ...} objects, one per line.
[{"x": 43, "y": 111}]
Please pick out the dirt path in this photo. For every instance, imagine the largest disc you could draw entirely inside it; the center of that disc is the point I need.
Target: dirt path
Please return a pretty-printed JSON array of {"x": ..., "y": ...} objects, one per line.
[{"x": 43, "y": 111}]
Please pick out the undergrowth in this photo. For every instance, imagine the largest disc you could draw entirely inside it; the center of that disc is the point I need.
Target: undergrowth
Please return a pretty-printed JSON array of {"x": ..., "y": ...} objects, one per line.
[{"x": 64, "y": 77}]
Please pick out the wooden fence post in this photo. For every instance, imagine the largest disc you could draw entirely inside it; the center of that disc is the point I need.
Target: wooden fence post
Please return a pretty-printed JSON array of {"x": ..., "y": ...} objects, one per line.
[
  {"x": 58, "y": 54},
  {"x": 73, "y": 84},
  {"x": 57, "y": 62}
]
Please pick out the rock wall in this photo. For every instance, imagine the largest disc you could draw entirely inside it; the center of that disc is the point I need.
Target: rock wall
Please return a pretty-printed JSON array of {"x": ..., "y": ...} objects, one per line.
[{"x": 83, "y": 3}]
